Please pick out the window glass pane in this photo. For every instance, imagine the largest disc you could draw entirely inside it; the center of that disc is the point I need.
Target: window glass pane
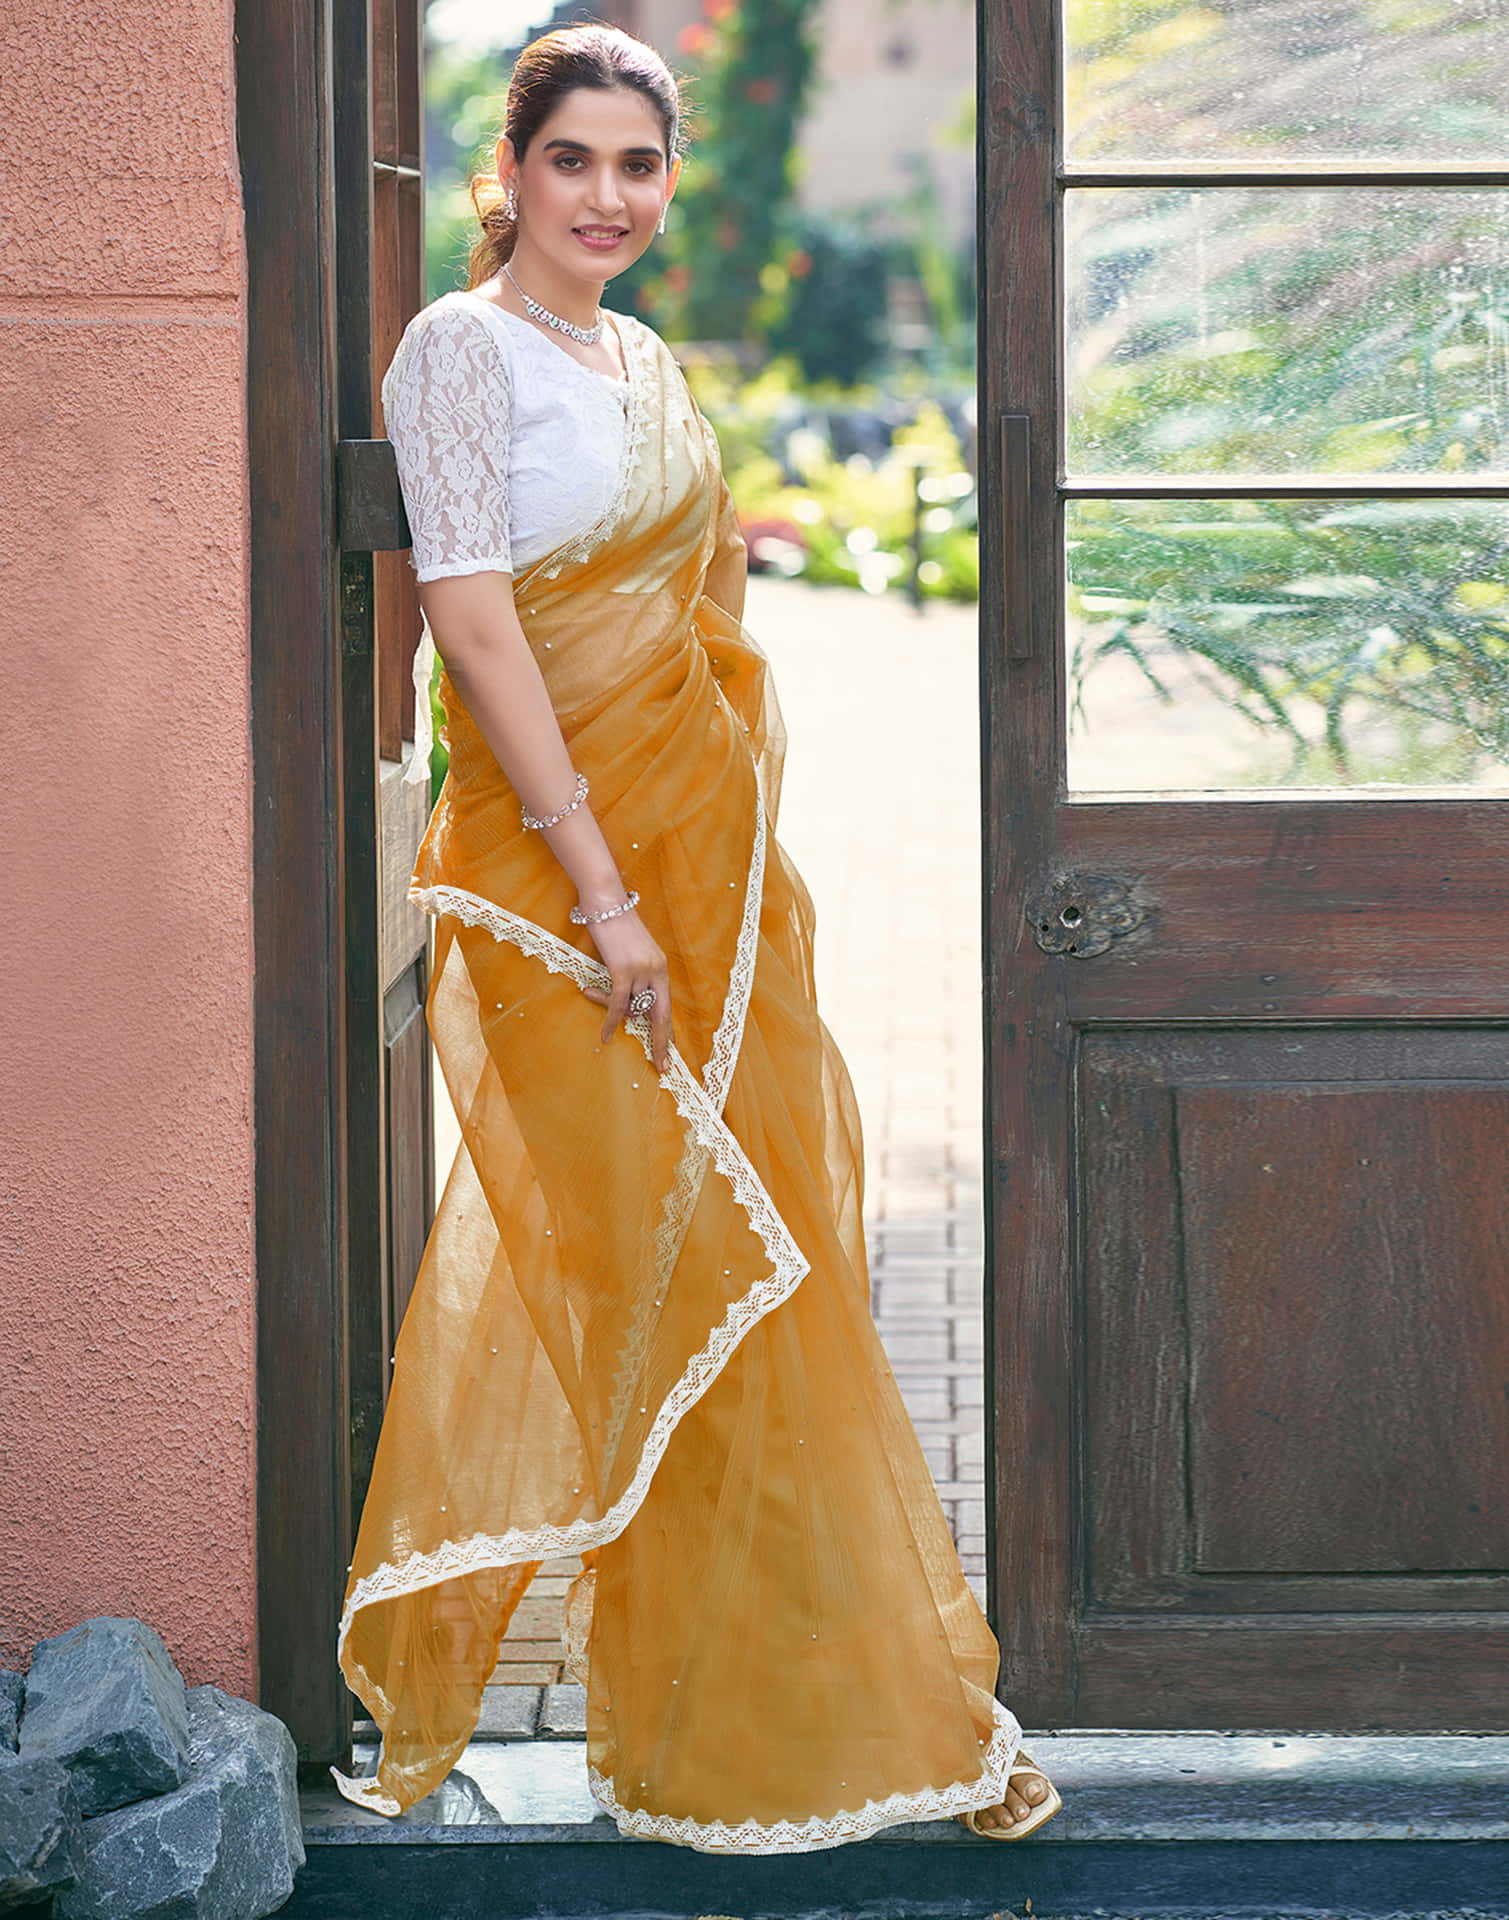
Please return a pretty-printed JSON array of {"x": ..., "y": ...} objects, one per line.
[
  {"x": 1277, "y": 330},
  {"x": 1287, "y": 81},
  {"x": 1275, "y": 643}
]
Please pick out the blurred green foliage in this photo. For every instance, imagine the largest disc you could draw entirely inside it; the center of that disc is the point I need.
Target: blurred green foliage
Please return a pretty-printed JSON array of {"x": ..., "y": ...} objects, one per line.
[
  {"x": 842, "y": 519},
  {"x": 728, "y": 232},
  {"x": 834, "y": 324},
  {"x": 463, "y": 114}
]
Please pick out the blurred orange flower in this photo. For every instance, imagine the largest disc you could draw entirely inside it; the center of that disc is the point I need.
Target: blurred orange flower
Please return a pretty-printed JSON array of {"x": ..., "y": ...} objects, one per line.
[
  {"x": 694, "y": 38},
  {"x": 798, "y": 264},
  {"x": 762, "y": 92}
]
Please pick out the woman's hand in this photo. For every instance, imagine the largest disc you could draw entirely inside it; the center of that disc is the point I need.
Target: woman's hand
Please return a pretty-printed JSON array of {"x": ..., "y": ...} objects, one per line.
[{"x": 635, "y": 961}]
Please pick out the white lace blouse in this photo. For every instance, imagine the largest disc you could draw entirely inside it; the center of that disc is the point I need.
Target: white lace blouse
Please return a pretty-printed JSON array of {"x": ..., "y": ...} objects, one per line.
[
  {"x": 506, "y": 444},
  {"x": 506, "y": 447}
]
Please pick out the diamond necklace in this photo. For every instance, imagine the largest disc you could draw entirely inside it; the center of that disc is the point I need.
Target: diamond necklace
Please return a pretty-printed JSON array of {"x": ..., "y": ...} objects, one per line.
[{"x": 589, "y": 336}]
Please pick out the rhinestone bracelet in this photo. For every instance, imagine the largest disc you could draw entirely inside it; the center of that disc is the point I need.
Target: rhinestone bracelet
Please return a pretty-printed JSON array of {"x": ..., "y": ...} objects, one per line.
[
  {"x": 570, "y": 807},
  {"x": 584, "y": 919}
]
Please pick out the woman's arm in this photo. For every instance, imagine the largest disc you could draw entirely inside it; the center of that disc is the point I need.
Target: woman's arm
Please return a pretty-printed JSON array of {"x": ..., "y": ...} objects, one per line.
[
  {"x": 448, "y": 408},
  {"x": 477, "y": 633}
]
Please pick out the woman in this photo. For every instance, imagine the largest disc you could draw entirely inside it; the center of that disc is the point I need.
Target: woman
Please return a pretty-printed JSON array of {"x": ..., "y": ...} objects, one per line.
[{"x": 641, "y": 1327}]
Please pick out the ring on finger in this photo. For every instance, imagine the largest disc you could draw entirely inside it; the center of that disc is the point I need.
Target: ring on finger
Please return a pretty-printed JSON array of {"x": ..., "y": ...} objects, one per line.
[{"x": 642, "y": 1001}]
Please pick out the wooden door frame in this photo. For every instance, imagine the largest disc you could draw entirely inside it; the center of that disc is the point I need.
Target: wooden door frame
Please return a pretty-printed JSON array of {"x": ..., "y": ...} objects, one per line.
[
  {"x": 300, "y": 731},
  {"x": 284, "y": 116},
  {"x": 323, "y": 499},
  {"x": 1028, "y": 1335}
]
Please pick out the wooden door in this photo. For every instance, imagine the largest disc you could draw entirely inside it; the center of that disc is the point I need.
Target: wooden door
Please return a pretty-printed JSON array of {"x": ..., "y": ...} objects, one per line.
[
  {"x": 328, "y": 117},
  {"x": 379, "y": 215},
  {"x": 1247, "y": 1020}
]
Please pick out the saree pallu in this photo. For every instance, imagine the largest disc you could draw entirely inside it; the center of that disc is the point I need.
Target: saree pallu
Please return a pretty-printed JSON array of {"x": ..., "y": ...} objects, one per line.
[{"x": 641, "y": 1328}]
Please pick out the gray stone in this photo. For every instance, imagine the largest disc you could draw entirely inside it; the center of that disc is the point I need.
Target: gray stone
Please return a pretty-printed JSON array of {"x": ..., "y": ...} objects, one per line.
[
  {"x": 40, "y": 1845},
  {"x": 12, "y": 1686},
  {"x": 106, "y": 1699},
  {"x": 224, "y": 1846},
  {"x": 508, "y": 1713},
  {"x": 564, "y": 1711}
]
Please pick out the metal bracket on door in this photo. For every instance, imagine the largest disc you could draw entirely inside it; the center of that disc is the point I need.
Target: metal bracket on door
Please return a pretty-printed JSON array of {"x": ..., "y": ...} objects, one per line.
[
  {"x": 370, "y": 515},
  {"x": 1082, "y": 913}
]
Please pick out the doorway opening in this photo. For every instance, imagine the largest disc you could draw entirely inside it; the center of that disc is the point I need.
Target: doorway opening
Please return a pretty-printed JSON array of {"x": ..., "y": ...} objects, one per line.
[{"x": 848, "y": 435}]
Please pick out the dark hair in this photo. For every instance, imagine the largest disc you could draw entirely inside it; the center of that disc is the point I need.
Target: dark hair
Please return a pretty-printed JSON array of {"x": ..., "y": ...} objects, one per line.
[{"x": 588, "y": 55}]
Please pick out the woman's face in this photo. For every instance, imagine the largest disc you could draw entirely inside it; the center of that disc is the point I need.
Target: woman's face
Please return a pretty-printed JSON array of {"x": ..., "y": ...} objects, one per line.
[{"x": 593, "y": 182}]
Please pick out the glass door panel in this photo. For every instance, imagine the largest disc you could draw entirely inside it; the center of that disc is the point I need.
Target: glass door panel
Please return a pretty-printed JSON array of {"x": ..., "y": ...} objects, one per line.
[
  {"x": 1277, "y": 330},
  {"x": 1283, "y": 474},
  {"x": 1154, "y": 82},
  {"x": 1287, "y": 643}
]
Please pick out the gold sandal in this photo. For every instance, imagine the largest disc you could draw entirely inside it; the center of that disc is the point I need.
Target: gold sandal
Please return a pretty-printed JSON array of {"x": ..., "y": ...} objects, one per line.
[{"x": 1043, "y": 1810}]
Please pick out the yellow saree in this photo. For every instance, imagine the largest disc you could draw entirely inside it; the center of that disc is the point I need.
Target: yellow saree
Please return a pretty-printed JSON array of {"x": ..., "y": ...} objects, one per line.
[{"x": 641, "y": 1327}]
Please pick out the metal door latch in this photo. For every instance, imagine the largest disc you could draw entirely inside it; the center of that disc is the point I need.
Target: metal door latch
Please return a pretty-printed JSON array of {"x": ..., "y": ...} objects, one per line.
[{"x": 1082, "y": 913}]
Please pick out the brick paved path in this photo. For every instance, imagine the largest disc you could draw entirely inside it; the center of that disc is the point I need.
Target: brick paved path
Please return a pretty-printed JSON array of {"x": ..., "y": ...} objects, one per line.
[{"x": 880, "y": 812}]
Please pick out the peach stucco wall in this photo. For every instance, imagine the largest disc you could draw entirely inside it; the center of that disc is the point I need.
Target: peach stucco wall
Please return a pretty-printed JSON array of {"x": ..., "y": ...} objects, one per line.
[{"x": 127, "y": 1303}]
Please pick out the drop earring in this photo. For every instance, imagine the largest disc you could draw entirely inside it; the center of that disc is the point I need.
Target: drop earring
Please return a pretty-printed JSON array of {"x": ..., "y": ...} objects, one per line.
[
  {"x": 661, "y": 227},
  {"x": 512, "y": 203}
]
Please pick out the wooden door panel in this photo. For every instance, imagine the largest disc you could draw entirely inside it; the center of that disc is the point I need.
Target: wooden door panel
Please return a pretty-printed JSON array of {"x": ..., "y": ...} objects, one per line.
[
  {"x": 333, "y": 242},
  {"x": 398, "y": 291},
  {"x": 376, "y": 83},
  {"x": 1349, "y": 1373},
  {"x": 1340, "y": 908},
  {"x": 397, "y": 294},
  {"x": 1308, "y": 1671},
  {"x": 1296, "y": 1383},
  {"x": 404, "y": 812},
  {"x": 411, "y": 1181}
]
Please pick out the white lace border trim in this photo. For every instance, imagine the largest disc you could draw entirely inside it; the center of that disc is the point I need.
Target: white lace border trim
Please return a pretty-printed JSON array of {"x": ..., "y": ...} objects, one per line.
[
  {"x": 788, "y": 1268},
  {"x": 781, "y": 1836},
  {"x": 727, "y": 1041},
  {"x": 825, "y": 1830}
]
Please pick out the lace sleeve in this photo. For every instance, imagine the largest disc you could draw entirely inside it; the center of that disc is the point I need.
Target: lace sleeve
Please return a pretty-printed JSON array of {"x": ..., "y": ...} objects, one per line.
[{"x": 448, "y": 405}]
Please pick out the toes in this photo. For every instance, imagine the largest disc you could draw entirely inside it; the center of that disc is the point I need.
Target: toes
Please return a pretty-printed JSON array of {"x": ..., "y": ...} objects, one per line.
[{"x": 1015, "y": 1806}]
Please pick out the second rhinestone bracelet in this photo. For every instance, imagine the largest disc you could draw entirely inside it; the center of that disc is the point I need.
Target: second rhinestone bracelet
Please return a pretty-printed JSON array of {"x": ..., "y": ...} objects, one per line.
[{"x": 585, "y": 919}]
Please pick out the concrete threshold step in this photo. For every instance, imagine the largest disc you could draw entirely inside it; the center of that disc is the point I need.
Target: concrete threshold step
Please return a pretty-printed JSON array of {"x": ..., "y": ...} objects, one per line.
[{"x": 1276, "y": 1825}]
